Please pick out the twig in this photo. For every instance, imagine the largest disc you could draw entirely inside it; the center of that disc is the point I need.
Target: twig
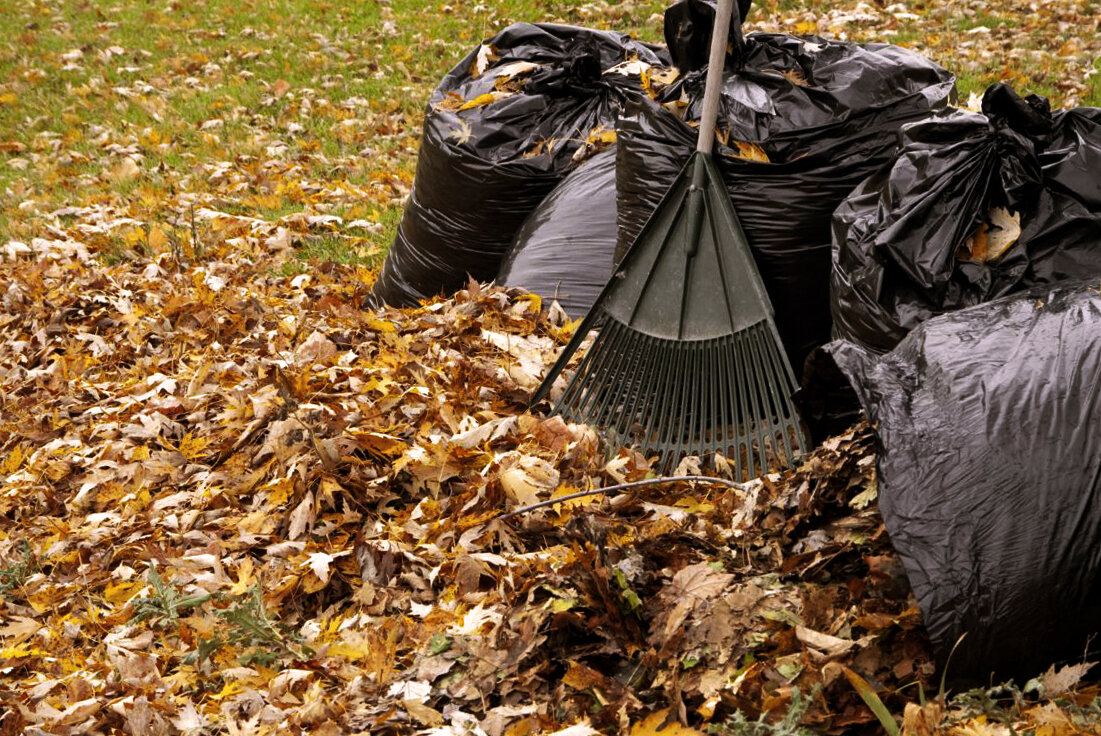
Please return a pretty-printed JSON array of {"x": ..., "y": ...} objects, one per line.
[{"x": 624, "y": 487}]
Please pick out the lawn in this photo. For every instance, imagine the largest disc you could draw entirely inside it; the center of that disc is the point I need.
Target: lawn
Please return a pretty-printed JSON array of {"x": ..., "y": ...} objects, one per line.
[
  {"x": 128, "y": 117},
  {"x": 233, "y": 501}
]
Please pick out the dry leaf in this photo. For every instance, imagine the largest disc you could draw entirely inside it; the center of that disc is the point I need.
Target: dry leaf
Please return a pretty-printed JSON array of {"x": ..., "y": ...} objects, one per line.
[
  {"x": 831, "y": 646},
  {"x": 659, "y": 723},
  {"x": 485, "y": 58},
  {"x": 1066, "y": 678},
  {"x": 993, "y": 238}
]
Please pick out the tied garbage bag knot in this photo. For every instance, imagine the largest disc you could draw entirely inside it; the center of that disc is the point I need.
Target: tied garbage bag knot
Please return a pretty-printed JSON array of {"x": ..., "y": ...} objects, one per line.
[{"x": 975, "y": 206}]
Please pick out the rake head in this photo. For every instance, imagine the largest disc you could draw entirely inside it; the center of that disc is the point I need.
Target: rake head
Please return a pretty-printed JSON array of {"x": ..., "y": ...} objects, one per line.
[{"x": 687, "y": 359}]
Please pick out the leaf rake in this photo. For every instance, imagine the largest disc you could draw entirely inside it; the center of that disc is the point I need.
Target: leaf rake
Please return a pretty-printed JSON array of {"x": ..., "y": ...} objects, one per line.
[{"x": 687, "y": 359}]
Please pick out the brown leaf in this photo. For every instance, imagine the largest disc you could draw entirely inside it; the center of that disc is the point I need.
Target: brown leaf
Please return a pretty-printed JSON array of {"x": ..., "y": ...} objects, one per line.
[
  {"x": 1058, "y": 682},
  {"x": 697, "y": 582},
  {"x": 920, "y": 720},
  {"x": 831, "y": 646},
  {"x": 660, "y": 723}
]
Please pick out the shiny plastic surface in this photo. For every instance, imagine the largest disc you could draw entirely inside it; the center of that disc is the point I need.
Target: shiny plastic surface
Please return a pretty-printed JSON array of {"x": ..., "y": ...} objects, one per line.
[
  {"x": 482, "y": 170},
  {"x": 896, "y": 237},
  {"x": 988, "y": 422},
  {"x": 827, "y": 115},
  {"x": 564, "y": 250}
]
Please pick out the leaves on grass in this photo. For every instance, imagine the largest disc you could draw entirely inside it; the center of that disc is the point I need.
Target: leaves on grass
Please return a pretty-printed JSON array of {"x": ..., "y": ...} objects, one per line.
[{"x": 232, "y": 501}]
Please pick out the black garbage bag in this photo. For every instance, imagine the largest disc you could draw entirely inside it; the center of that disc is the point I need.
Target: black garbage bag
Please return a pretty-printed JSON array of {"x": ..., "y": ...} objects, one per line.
[
  {"x": 564, "y": 250},
  {"x": 806, "y": 121},
  {"x": 500, "y": 132},
  {"x": 976, "y": 206},
  {"x": 988, "y": 422}
]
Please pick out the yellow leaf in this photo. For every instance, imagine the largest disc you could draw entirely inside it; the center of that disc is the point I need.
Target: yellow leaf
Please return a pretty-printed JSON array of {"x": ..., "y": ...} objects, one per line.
[
  {"x": 600, "y": 134},
  {"x": 694, "y": 505},
  {"x": 22, "y": 651},
  {"x": 749, "y": 151},
  {"x": 121, "y": 592},
  {"x": 534, "y": 300},
  {"x": 655, "y": 724},
  {"x": 311, "y": 583},
  {"x": 14, "y": 460},
  {"x": 380, "y": 325},
  {"x": 280, "y": 491},
  {"x": 157, "y": 239},
  {"x": 8, "y": 98},
  {"x": 246, "y": 578},
  {"x": 191, "y": 447},
  {"x": 234, "y": 687},
  {"x": 354, "y": 650},
  {"x": 134, "y": 235},
  {"x": 487, "y": 99},
  {"x": 569, "y": 491},
  {"x": 806, "y": 27},
  {"x": 150, "y": 137}
]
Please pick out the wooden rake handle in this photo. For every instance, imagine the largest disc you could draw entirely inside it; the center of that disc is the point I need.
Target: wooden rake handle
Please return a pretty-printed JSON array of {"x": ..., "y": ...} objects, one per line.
[{"x": 714, "y": 84}]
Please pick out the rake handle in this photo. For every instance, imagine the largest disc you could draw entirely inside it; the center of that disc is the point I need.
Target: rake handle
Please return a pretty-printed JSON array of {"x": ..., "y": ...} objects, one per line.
[{"x": 715, "y": 64}]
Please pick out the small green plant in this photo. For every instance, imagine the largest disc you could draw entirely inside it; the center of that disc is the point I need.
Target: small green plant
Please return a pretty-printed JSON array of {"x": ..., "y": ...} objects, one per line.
[
  {"x": 739, "y": 725},
  {"x": 166, "y": 603},
  {"x": 13, "y": 576},
  {"x": 868, "y": 694},
  {"x": 249, "y": 627}
]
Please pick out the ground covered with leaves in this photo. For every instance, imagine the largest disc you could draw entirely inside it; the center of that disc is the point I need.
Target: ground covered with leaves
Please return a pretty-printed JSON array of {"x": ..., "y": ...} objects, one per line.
[
  {"x": 232, "y": 501},
  {"x": 236, "y": 503}
]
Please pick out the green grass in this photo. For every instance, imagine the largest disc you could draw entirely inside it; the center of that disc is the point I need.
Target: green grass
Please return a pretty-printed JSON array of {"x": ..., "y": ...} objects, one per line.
[{"x": 274, "y": 93}]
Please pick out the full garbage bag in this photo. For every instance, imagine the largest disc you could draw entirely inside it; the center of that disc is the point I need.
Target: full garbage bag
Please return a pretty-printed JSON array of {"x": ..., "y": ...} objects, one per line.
[
  {"x": 988, "y": 422},
  {"x": 975, "y": 207},
  {"x": 564, "y": 250},
  {"x": 805, "y": 120},
  {"x": 501, "y": 130}
]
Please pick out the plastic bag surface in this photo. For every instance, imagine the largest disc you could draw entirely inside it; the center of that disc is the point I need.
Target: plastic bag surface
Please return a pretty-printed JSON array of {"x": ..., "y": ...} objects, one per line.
[
  {"x": 989, "y": 472},
  {"x": 564, "y": 250},
  {"x": 976, "y": 206},
  {"x": 819, "y": 117},
  {"x": 688, "y": 25},
  {"x": 500, "y": 132}
]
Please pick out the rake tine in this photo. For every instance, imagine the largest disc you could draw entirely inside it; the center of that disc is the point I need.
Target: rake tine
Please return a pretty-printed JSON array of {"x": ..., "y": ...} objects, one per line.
[
  {"x": 619, "y": 383},
  {"x": 589, "y": 398},
  {"x": 757, "y": 399},
  {"x": 636, "y": 411},
  {"x": 767, "y": 417},
  {"x": 783, "y": 407}
]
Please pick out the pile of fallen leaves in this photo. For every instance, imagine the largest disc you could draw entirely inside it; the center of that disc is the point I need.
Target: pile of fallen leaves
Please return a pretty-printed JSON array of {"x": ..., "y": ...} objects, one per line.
[{"x": 234, "y": 502}]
